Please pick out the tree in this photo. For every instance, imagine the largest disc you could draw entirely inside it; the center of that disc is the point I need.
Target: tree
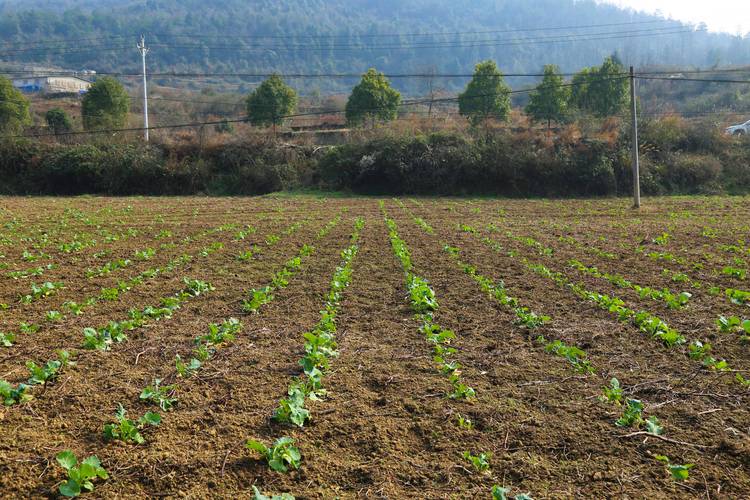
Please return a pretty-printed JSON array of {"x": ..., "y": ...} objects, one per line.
[
  {"x": 105, "y": 105},
  {"x": 373, "y": 98},
  {"x": 602, "y": 90},
  {"x": 550, "y": 99},
  {"x": 486, "y": 96},
  {"x": 58, "y": 121},
  {"x": 271, "y": 102},
  {"x": 14, "y": 108}
]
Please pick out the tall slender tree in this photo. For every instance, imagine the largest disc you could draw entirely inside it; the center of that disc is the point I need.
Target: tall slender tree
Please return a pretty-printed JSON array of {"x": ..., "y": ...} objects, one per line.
[
  {"x": 372, "y": 99},
  {"x": 549, "y": 102},
  {"x": 14, "y": 108},
  {"x": 271, "y": 102},
  {"x": 105, "y": 105},
  {"x": 486, "y": 96}
]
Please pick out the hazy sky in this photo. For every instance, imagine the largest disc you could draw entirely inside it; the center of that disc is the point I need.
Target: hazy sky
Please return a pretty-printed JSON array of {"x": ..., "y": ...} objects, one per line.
[{"x": 720, "y": 15}]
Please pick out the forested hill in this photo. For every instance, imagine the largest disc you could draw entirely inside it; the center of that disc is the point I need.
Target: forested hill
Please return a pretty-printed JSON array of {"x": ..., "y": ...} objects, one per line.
[{"x": 348, "y": 36}]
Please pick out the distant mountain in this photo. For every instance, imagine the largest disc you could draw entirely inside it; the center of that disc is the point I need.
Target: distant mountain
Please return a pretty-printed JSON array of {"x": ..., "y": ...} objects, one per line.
[{"x": 348, "y": 36}]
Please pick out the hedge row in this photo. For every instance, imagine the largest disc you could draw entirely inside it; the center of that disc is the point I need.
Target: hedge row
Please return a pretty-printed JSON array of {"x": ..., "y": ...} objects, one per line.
[{"x": 677, "y": 159}]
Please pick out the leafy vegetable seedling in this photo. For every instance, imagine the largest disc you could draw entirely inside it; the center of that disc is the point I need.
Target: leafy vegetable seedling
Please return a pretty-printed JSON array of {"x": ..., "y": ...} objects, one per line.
[
  {"x": 162, "y": 395},
  {"x": 128, "y": 431},
  {"x": 679, "y": 472},
  {"x": 80, "y": 477},
  {"x": 480, "y": 462},
  {"x": 282, "y": 455}
]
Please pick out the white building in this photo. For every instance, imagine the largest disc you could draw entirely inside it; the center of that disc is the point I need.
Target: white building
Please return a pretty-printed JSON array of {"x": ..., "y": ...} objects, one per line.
[{"x": 52, "y": 84}]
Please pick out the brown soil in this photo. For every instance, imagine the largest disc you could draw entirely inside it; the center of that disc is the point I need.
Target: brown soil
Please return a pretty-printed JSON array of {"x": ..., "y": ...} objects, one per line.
[{"x": 386, "y": 428}]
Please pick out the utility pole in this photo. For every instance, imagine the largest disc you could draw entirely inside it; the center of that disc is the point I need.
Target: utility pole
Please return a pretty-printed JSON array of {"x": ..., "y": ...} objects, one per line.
[
  {"x": 636, "y": 165},
  {"x": 143, "y": 50}
]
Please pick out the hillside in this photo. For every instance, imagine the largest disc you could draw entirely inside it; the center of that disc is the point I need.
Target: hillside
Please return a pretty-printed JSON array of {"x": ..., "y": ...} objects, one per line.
[{"x": 348, "y": 36}]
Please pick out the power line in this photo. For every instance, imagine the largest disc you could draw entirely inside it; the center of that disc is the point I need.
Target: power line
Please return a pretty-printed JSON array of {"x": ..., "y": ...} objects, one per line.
[
  {"x": 394, "y": 76},
  {"x": 349, "y": 35},
  {"x": 562, "y": 38},
  {"x": 680, "y": 79},
  {"x": 445, "y": 45}
]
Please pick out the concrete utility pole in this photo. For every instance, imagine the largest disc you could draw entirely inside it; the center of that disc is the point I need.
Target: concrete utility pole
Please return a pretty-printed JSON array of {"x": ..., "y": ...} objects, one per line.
[
  {"x": 636, "y": 165},
  {"x": 143, "y": 50}
]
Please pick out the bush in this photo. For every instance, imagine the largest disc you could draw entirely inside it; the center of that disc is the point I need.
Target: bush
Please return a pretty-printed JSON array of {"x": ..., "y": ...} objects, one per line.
[{"x": 692, "y": 174}]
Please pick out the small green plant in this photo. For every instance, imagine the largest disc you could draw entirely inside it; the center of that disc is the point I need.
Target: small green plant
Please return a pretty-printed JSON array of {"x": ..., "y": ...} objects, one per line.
[
  {"x": 292, "y": 409},
  {"x": 632, "y": 415},
  {"x": 281, "y": 456},
  {"x": 14, "y": 395},
  {"x": 80, "y": 477},
  {"x": 220, "y": 334},
  {"x": 653, "y": 426},
  {"x": 7, "y": 339},
  {"x": 258, "y": 298},
  {"x": 162, "y": 395},
  {"x": 127, "y": 430},
  {"x": 53, "y": 316},
  {"x": 501, "y": 493},
  {"x": 480, "y": 462},
  {"x": 678, "y": 472},
  {"x": 28, "y": 328},
  {"x": 613, "y": 393},
  {"x": 43, "y": 374},
  {"x": 464, "y": 422},
  {"x": 186, "y": 370}
]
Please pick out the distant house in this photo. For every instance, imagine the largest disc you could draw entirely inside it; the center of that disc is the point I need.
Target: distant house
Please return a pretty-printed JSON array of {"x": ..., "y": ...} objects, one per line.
[{"x": 51, "y": 85}]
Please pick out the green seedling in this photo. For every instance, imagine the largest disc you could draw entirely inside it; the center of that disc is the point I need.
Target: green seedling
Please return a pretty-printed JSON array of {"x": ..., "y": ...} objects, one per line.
[
  {"x": 464, "y": 422},
  {"x": 258, "y": 298},
  {"x": 14, "y": 395},
  {"x": 678, "y": 472},
  {"x": 162, "y": 395},
  {"x": 501, "y": 493},
  {"x": 220, "y": 334},
  {"x": 632, "y": 415},
  {"x": 480, "y": 462},
  {"x": 53, "y": 316},
  {"x": 613, "y": 393},
  {"x": 281, "y": 456},
  {"x": 653, "y": 426},
  {"x": 292, "y": 409},
  {"x": 80, "y": 477},
  {"x": 186, "y": 370},
  {"x": 127, "y": 430},
  {"x": 7, "y": 339}
]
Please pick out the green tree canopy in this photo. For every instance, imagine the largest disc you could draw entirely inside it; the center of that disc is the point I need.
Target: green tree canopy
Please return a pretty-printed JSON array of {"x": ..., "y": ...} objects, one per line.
[
  {"x": 270, "y": 102},
  {"x": 14, "y": 108},
  {"x": 373, "y": 98},
  {"x": 105, "y": 105},
  {"x": 486, "y": 96},
  {"x": 601, "y": 90},
  {"x": 58, "y": 121},
  {"x": 549, "y": 102}
]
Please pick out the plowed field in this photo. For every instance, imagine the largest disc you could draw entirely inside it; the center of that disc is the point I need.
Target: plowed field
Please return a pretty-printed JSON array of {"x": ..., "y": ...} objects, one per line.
[{"x": 407, "y": 348}]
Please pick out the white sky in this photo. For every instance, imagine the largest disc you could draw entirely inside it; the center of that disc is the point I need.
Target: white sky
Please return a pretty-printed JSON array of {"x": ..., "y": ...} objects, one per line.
[{"x": 732, "y": 16}]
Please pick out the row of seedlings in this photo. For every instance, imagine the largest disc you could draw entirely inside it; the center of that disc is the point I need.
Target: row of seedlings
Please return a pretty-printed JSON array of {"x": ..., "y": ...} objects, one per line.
[
  {"x": 424, "y": 304},
  {"x": 163, "y": 396},
  {"x": 633, "y": 409},
  {"x": 646, "y": 322},
  {"x": 320, "y": 348}
]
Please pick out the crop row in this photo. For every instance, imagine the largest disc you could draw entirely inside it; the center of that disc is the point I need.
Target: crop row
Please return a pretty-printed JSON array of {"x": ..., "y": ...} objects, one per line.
[
  {"x": 645, "y": 321},
  {"x": 632, "y": 409},
  {"x": 164, "y": 396},
  {"x": 320, "y": 348}
]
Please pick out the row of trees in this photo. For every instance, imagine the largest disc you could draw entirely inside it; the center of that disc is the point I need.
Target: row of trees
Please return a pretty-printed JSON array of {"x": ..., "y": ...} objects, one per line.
[{"x": 601, "y": 91}]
